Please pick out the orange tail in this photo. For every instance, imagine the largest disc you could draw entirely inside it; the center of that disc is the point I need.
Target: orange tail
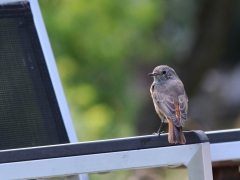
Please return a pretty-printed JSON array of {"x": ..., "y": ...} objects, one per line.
[{"x": 175, "y": 134}]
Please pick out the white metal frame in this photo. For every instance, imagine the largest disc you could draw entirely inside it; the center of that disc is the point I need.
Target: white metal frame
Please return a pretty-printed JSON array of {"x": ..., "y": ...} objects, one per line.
[
  {"x": 225, "y": 151},
  {"x": 52, "y": 68},
  {"x": 195, "y": 157}
]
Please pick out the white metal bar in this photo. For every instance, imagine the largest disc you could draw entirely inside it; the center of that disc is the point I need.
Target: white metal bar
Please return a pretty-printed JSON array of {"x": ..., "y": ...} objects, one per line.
[
  {"x": 154, "y": 157},
  {"x": 225, "y": 151},
  {"x": 9, "y": 1},
  {"x": 52, "y": 68},
  {"x": 222, "y": 131},
  {"x": 200, "y": 166}
]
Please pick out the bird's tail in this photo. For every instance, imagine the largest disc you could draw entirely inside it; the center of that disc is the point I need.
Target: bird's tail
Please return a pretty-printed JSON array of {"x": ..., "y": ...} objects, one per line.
[{"x": 175, "y": 134}]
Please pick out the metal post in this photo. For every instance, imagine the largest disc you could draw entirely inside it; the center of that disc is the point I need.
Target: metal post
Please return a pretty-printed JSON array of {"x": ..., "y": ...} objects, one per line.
[{"x": 199, "y": 165}]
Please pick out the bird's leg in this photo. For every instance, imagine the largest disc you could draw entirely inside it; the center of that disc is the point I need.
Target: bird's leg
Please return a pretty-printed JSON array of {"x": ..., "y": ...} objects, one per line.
[{"x": 158, "y": 132}]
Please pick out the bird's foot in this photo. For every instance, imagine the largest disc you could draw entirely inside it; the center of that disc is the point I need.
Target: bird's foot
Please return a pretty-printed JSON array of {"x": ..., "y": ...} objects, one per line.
[{"x": 158, "y": 133}]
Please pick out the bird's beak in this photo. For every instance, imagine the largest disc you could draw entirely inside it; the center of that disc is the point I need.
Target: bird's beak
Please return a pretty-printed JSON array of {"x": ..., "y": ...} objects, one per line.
[{"x": 152, "y": 74}]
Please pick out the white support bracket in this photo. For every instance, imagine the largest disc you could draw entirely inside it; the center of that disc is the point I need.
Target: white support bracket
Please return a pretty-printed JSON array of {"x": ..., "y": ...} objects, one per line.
[{"x": 199, "y": 165}]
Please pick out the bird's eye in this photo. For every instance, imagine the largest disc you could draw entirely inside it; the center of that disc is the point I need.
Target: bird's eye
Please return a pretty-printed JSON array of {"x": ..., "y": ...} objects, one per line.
[{"x": 164, "y": 72}]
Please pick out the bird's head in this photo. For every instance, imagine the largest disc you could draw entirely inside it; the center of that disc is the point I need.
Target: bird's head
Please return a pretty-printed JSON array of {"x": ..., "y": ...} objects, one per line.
[{"x": 163, "y": 73}]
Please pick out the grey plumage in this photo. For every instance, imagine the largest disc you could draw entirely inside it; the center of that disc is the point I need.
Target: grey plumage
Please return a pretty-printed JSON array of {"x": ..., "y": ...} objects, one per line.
[{"x": 170, "y": 101}]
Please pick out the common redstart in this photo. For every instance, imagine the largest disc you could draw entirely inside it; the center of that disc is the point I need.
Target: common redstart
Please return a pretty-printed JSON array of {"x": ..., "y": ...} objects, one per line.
[{"x": 170, "y": 101}]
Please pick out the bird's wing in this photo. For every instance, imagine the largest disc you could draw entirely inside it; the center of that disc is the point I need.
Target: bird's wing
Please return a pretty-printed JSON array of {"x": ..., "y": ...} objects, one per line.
[
  {"x": 183, "y": 108},
  {"x": 166, "y": 104}
]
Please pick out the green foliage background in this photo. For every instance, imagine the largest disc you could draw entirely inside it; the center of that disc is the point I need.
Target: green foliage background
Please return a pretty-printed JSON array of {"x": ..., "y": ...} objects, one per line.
[{"x": 98, "y": 46}]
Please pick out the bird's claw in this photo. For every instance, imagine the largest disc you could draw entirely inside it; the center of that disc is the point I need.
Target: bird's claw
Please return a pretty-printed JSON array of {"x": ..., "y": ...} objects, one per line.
[{"x": 158, "y": 133}]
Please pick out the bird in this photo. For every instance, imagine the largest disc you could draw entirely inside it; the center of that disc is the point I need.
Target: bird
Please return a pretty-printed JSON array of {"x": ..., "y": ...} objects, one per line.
[{"x": 170, "y": 101}]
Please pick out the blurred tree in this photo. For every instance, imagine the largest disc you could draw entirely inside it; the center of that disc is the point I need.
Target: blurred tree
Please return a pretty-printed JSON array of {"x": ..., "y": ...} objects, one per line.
[
  {"x": 214, "y": 22},
  {"x": 97, "y": 46}
]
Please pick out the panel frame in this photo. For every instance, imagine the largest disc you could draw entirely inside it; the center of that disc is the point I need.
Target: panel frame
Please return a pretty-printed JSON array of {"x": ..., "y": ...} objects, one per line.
[{"x": 196, "y": 157}]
